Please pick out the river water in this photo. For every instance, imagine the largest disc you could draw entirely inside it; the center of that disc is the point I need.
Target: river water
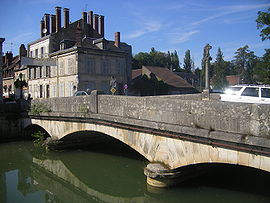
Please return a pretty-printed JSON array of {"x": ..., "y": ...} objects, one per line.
[{"x": 112, "y": 173}]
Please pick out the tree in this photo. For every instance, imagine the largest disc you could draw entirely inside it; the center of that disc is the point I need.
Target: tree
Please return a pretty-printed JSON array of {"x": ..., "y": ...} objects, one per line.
[
  {"x": 219, "y": 70},
  {"x": 263, "y": 23},
  {"x": 244, "y": 62},
  {"x": 187, "y": 62},
  {"x": 156, "y": 58},
  {"x": 262, "y": 69}
]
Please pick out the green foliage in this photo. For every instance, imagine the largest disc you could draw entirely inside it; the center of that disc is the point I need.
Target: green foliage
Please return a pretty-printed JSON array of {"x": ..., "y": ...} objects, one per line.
[
  {"x": 38, "y": 108},
  {"x": 262, "y": 69},
  {"x": 20, "y": 83},
  {"x": 156, "y": 58},
  {"x": 83, "y": 109},
  {"x": 40, "y": 136},
  {"x": 244, "y": 62},
  {"x": 263, "y": 23},
  {"x": 188, "y": 62},
  {"x": 219, "y": 70}
]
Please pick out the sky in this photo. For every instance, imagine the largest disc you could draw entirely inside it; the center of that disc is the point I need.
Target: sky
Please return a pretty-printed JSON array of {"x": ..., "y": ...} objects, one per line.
[{"x": 165, "y": 25}]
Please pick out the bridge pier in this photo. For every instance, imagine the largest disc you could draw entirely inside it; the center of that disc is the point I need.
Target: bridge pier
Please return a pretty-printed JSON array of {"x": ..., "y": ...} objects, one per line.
[{"x": 160, "y": 176}]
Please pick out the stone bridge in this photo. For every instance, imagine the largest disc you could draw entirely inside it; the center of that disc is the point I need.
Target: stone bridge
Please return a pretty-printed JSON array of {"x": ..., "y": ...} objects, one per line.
[{"x": 171, "y": 132}]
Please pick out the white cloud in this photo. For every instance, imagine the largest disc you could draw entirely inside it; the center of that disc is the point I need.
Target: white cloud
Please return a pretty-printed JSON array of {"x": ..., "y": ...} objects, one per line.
[
  {"x": 146, "y": 27},
  {"x": 183, "y": 37},
  {"x": 228, "y": 10}
]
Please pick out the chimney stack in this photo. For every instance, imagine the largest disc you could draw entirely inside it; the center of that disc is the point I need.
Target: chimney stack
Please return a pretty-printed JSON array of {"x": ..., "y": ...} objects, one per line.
[
  {"x": 84, "y": 17},
  {"x": 53, "y": 24},
  {"x": 101, "y": 26},
  {"x": 22, "y": 50},
  {"x": 58, "y": 18},
  {"x": 66, "y": 17},
  {"x": 42, "y": 26},
  {"x": 95, "y": 24},
  {"x": 117, "y": 39},
  {"x": 90, "y": 18},
  {"x": 47, "y": 23}
]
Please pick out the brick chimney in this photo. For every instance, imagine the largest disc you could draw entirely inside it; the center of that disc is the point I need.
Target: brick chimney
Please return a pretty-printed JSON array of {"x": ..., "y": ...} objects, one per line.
[
  {"x": 22, "y": 51},
  {"x": 90, "y": 18},
  {"x": 8, "y": 58},
  {"x": 95, "y": 23},
  {"x": 42, "y": 26},
  {"x": 84, "y": 17},
  {"x": 101, "y": 26},
  {"x": 66, "y": 17},
  {"x": 117, "y": 39},
  {"x": 47, "y": 23},
  {"x": 58, "y": 18},
  {"x": 53, "y": 24}
]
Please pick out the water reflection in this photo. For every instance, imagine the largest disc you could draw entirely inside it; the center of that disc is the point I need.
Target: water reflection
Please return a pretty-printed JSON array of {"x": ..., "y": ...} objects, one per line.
[
  {"x": 112, "y": 174},
  {"x": 71, "y": 176}
]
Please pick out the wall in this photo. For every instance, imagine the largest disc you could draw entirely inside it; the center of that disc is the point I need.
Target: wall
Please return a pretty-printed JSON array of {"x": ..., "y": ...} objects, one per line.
[
  {"x": 10, "y": 125},
  {"x": 239, "y": 118}
]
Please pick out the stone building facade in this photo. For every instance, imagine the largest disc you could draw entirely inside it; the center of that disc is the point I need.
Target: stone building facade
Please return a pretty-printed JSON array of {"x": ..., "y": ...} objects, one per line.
[{"x": 75, "y": 57}]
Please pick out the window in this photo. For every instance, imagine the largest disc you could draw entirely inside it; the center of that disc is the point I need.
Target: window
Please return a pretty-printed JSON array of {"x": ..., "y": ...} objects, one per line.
[
  {"x": 265, "y": 92},
  {"x": 35, "y": 73},
  {"x": 70, "y": 66},
  {"x": 31, "y": 54},
  {"x": 47, "y": 91},
  {"x": 41, "y": 52},
  {"x": 40, "y": 91},
  {"x": 105, "y": 68},
  {"x": 48, "y": 71},
  {"x": 61, "y": 68},
  {"x": 251, "y": 92},
  {"x": 91, "y": 66},
  {"x": 36, "y": 53}
]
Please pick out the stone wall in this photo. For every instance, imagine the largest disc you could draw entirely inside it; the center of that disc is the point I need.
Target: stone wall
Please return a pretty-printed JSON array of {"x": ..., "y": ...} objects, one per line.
[
  {"x": 239, "y": 118},
  {"x": 10, "y": 126}
]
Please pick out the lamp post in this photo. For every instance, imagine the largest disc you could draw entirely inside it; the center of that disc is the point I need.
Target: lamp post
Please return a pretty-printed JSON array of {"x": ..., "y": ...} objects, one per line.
[{"x": 1, "y": 71}]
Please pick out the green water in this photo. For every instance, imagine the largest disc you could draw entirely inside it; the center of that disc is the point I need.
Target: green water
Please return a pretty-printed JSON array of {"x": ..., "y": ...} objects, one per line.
[{"x": 112, "y": 173}]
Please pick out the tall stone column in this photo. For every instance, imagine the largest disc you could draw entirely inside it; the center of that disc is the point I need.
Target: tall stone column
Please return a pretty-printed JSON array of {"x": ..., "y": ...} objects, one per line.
[
  {"x": 206, "y": 62},
  {"x": 1, "y": 70}
]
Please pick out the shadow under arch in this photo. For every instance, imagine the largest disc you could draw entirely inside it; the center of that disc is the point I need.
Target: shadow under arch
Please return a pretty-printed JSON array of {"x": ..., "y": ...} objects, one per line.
[
  {"x": 224, "y": 176},
  {"x": 98, "y": 142},
  {"x": 32, "y": 129}
]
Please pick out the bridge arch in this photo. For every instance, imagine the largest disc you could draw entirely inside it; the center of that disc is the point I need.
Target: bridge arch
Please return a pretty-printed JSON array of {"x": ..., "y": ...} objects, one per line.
[{"x": 170, "y": 152}]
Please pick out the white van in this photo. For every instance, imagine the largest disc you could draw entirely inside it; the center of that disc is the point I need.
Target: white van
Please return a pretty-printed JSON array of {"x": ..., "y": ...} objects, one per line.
[{"x": 247, "y": 94}]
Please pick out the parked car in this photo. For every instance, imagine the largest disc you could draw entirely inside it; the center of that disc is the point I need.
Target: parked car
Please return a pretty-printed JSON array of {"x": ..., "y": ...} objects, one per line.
[
  {"x": 80, "y": 93},
  {"x": 247, "y": 94}
]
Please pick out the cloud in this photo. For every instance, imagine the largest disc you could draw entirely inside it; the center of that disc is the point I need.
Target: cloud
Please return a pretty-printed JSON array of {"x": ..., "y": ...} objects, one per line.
[
  {"x": 183, "y": 37},
  {"x": 146, "y": 27},
  {"x": 227, "y": 10}
]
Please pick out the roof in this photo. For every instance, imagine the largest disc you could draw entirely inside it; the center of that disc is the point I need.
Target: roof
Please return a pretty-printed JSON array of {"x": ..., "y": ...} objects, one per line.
[
  {"x": 136, "y": 73},
  {"x": 166, "y": 76}
]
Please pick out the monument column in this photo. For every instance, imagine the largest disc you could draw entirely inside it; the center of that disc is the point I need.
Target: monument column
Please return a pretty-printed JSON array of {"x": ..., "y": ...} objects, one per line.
[
  {"x": 1, "y": 70},
  {"x": 206, "y": 62}
]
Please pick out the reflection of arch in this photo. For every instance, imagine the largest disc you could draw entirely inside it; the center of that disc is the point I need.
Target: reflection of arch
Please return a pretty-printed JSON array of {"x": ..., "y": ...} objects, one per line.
[{"x": 57, "y": 169}]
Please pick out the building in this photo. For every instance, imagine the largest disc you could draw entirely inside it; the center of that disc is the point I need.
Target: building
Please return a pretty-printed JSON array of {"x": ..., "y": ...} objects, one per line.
[
  {"x": 11, "y": 70},
  {"x": 149, "y": 80},
  {"x": 75, "y": 57}
]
